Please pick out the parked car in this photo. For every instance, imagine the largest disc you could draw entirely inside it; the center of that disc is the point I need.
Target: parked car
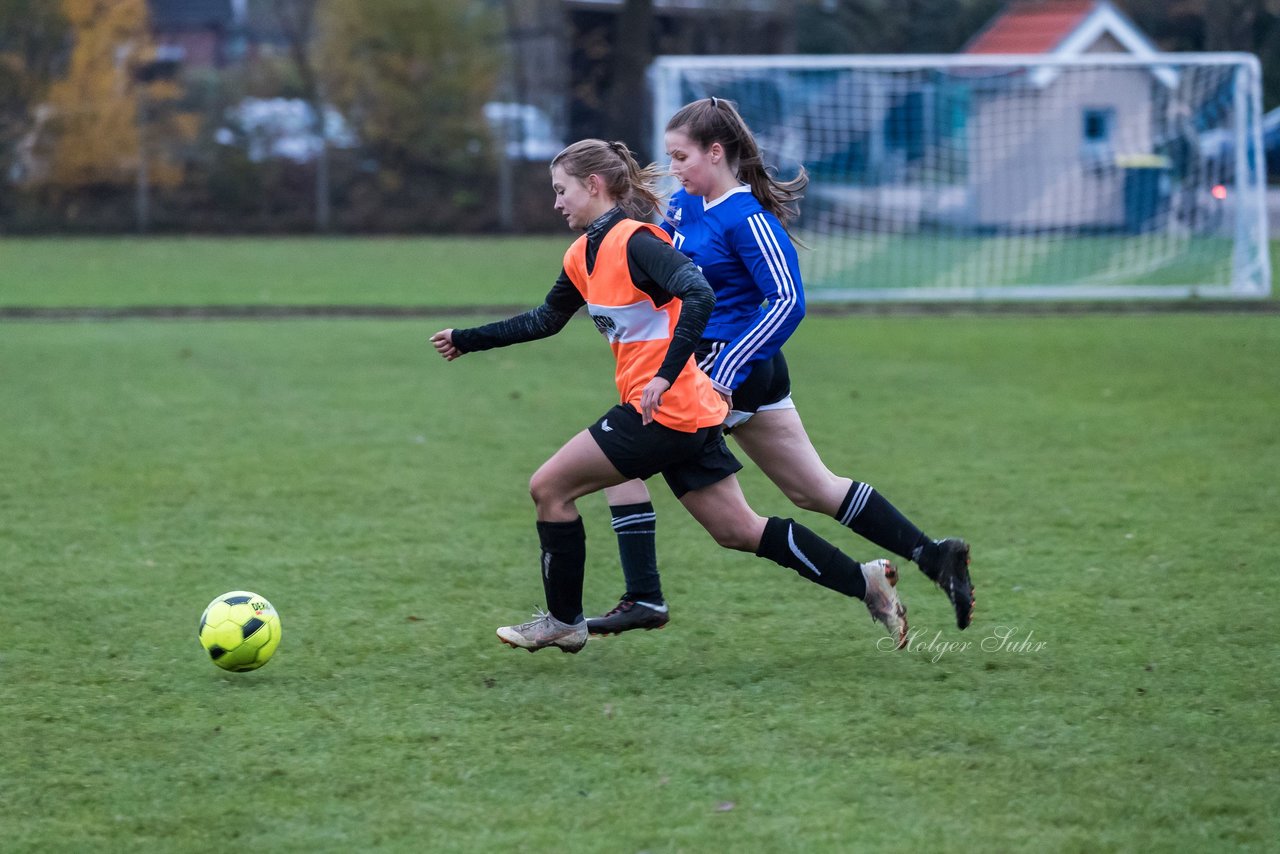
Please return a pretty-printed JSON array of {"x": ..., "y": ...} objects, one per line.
[
  {"x": 282, "y": 128},
  {"x": 525, "y": 130}
]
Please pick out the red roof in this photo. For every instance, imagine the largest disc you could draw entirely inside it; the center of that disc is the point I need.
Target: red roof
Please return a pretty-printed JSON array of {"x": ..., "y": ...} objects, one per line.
[{"x": 1027, "y": 26}]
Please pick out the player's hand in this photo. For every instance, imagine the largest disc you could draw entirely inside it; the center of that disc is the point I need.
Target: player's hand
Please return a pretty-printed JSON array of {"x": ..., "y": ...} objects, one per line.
[
  {"x": 651, "y": 397},
  {"x": 443, "y": 342}
]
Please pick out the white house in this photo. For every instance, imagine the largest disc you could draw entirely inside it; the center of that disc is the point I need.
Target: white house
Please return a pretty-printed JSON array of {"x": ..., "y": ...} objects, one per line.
[{"x": 1091, "y": 132}]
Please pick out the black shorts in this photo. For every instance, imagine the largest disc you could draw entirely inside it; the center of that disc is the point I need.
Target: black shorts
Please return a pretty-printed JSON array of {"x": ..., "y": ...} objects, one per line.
[
  {"x": 768, "y": 386},
  {"x": 687, "y": 461}
]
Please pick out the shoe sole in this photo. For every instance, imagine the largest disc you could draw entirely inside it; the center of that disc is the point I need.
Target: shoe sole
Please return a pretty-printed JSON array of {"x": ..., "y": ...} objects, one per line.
[
  {"x": 891, "y": 574},
  {"x": 503, "y": 640},
  {"x": 608, "y": 633}
]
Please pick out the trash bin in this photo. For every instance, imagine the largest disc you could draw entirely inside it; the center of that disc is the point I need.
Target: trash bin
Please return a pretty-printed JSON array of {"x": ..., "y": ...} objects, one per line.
[{"x": 1146, "y": 190}]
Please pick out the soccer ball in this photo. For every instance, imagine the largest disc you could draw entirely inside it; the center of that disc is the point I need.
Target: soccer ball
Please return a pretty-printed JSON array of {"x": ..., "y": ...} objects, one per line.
[{"x": 240, "y": 630}]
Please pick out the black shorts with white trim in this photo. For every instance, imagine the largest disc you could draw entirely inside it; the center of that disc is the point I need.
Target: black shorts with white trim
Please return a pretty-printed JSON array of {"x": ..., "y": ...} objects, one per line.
[{"x": 768, "y": 384}]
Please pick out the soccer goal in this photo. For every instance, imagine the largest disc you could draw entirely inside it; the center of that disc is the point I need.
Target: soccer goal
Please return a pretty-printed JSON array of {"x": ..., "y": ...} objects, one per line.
[{"x": 1008, "y": 177}]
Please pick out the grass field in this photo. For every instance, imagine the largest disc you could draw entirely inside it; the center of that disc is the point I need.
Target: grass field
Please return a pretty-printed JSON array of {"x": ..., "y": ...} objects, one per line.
[
  {"x": 896, "y": 261},
  {"x": 1117, "y": 476},
  {"x": 51, "y": 272},
  {"x": 57, "y": 273}
]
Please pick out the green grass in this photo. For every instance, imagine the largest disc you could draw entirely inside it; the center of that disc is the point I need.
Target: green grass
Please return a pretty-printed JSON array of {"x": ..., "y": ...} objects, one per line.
[
  {"x": 1116, "y": 475},
  {"x": 49, "y": 272},
  {"x": 436, "y": 271}
]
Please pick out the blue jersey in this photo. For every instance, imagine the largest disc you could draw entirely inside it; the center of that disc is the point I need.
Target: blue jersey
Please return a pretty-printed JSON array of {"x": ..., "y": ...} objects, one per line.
[{"x": 746, "y": 255}]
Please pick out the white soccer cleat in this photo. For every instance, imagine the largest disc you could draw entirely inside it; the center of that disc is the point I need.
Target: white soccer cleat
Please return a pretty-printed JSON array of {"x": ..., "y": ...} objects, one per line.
[
  {"x": 882, "y": 600},
  {"x": 543, "y": 631}
]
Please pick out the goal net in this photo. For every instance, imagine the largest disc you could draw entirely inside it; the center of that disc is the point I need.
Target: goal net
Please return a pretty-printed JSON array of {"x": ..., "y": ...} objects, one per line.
[{"x": 1008, "y": 177}]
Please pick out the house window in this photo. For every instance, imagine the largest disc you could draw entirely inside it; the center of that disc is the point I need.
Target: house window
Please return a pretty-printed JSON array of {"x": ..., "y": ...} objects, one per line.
[{"x": 1098, "y": 128}]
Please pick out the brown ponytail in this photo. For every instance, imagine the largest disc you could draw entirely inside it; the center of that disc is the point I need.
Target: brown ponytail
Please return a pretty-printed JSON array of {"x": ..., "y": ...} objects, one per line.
[
  {"x": 712, "y": 120},
  {"x": 634, "y": 188}
]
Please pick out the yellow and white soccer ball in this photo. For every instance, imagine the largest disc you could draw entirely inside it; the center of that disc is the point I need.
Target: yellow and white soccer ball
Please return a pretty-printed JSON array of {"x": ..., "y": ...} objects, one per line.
[{"x": 240, "y": 630}]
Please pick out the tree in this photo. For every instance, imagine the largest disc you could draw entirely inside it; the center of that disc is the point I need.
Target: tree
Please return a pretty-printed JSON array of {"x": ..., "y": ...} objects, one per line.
[
  {"x": 890, "y": 26},
  {"x": 632, "y": 53},
  {"x": 412, "y": 77},
  {"x": 33, "y": 38},
  {"x": 96, "y": 109},
  {"x": 297, "y": 20},
  {"x": 114, "y": 120},
  {"x": 846, "y": 26},
  {"x": 1244, "y": 25}
]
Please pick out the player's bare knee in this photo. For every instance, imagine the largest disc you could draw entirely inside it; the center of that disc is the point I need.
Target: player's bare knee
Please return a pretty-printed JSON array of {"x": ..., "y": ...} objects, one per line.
[
  {"x": 542, "y": 489},
  {"x": 739, "y": 538},
  {"x": 805, "y": 499},
  {"x": 819, "y": 495}
]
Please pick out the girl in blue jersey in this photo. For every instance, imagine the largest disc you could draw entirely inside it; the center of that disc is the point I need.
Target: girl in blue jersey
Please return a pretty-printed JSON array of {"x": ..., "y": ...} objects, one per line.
[{"x": 729, "y": 216}]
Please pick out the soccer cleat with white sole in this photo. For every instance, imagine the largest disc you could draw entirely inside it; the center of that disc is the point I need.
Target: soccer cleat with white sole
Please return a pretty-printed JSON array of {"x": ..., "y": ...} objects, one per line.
[
  {"x": 882, "y": 600},
  {"x": 544, "y": 631}
]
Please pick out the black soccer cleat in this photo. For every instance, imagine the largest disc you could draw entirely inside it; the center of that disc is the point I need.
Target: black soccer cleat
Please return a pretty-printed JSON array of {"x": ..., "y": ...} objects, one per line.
[
  {"x": 946, "y": 562},
  {"x": 629, "y": 614}
]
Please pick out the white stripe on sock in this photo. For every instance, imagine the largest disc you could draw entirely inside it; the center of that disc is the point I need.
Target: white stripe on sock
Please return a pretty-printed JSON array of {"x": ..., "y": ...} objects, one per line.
[
  {"x": 795, "y": 550},
  {"x": 633, "y": 519},
  {"x": 860, "y": 497}
]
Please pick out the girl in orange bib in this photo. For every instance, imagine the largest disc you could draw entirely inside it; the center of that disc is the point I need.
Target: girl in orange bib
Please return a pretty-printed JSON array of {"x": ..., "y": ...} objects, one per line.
[{"x": 651, "y": 304}]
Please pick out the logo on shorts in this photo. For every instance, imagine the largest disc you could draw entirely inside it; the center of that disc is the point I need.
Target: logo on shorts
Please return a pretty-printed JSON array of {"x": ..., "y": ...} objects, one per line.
[{"x": 604, "y": 425}]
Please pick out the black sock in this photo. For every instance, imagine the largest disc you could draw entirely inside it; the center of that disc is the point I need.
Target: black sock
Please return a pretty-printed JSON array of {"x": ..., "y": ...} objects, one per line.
[
  {"x": 868, "y": 514},
  {"x": 796, "y": 547},
  {"x": 564, "y": 560},
  {"x": 636, "y": 527}
]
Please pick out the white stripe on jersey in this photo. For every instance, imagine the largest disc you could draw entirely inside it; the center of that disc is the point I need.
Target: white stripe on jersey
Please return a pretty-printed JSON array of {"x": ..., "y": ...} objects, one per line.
[
  {"x": 710, "y": 359},
  {"x": 860, "y": 496},
  {"x": 778, "y": 310}
]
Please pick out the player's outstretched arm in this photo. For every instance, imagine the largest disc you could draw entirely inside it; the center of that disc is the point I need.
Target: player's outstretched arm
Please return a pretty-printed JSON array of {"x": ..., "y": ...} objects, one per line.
[{"x": 547, "y": 319}]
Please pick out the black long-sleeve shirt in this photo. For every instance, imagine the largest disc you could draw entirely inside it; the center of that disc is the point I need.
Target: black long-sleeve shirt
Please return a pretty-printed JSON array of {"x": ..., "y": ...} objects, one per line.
[{"x": 656, "y": 268}]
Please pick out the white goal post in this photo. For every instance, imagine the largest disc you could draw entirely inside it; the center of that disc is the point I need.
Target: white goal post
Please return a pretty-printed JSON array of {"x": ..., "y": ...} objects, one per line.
[{"x": 982, "y": 177}]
